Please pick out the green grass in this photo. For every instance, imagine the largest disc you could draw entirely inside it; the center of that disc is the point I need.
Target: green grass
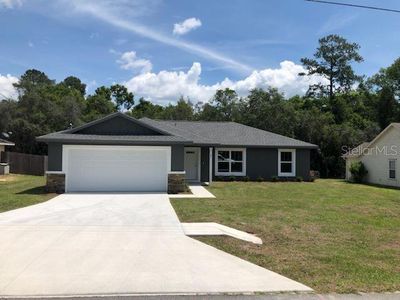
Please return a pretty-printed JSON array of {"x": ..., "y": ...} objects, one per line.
[
  {"x": 21, "y": 190},
  {"x": 330, "y": 235}
]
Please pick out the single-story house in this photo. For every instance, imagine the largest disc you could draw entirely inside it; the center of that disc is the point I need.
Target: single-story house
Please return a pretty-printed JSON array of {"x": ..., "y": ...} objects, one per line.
[
  {"x": 4, "y": 143},
  {"x": 380, "y": 157},
  {"x": 120, "y": 153}
]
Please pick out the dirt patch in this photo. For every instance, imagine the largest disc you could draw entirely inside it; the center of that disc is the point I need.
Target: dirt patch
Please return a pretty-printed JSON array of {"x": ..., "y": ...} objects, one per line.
[{"x": 7, "y": 178}]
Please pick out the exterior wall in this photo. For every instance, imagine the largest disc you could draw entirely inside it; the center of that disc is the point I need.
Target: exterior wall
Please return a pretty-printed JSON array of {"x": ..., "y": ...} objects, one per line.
[
  {"x": 263, "y": 162},
  {"x": 54, "y": 157},
  {"x": 377, "y": 163},
  {"x": 205, "y": 164},
  {"x": 2, "y": 148},
  {"x": 118, "y": 126},
  {"x": 303, "y": 163},
  {"x": 177, "y": 158}
]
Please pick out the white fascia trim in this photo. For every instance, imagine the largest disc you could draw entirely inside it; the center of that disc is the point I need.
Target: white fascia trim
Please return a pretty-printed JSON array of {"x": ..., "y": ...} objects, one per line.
[
  {"x": 293, "y": 173},
  {"x": 243, "y": 173},
  {"x": 177, "y": 172}
]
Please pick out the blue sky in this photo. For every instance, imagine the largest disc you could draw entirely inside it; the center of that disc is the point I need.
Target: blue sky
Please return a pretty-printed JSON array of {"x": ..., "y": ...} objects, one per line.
[{"x": 238, "y": 44}]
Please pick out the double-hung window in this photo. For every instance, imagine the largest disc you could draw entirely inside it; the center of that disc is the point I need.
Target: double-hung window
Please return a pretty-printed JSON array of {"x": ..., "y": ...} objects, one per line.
[
  {"x": 230, "y": 161},
  {"x": 392, "y": 168},
  {"x": 286, "y": 162}
]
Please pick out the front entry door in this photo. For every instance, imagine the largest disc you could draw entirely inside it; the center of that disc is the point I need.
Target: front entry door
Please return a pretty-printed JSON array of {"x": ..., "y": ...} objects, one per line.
[{"x": 192, "y": 164}]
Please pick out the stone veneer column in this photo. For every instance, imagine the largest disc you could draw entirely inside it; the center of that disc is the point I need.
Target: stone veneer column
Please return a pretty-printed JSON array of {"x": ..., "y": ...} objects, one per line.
[
  {"x": 176, "y": 182},
  {"x": 55, "y": 182}
]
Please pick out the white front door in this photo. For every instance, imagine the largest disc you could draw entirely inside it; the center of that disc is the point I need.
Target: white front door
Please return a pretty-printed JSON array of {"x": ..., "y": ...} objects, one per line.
[{"x": 192, "y": 163}]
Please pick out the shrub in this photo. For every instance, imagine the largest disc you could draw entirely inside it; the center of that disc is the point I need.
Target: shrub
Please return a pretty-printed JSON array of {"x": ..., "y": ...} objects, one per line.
[
  {"x": 246, "y": 178},
  {"x": 232, "y": 178},
  {"x": 260, "y": 179},
  {"x": 275, "y": 178},
  {"x": 358, "y": 171},
  {"x": 299, "y": 179}
]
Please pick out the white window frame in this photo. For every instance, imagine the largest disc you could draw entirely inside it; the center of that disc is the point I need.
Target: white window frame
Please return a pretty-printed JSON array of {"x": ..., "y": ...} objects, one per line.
[
  {"x": 285, "y": 174},
  {"x": 243, "y": 173},
  {"x": 395, "y": 167}
]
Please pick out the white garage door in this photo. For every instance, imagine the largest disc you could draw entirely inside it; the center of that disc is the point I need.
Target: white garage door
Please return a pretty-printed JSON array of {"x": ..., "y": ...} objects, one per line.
[{"x": 116, "y": 168}]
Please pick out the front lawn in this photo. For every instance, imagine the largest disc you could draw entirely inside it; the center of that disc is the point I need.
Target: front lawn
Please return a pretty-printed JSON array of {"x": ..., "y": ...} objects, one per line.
[
  {"x": 330, "y": 235},
  {"x": 21, "y": 190}
]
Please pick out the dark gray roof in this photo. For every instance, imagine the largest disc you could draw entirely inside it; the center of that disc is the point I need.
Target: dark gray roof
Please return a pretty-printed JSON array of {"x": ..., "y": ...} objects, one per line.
[
  {"x": 6, "y": 143},
  {"x": 178, "y": 132},
  {"x": 226, "y": 134},
  {"x": 111, "y": 139}
]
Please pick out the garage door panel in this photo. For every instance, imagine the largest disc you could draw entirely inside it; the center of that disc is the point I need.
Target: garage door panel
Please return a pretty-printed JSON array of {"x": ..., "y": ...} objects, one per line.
[{"x": 114, "y": 169}]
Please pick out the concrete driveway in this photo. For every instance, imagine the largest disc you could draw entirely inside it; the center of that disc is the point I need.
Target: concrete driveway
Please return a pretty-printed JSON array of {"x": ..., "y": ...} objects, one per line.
[{"x": 103, "y": 244}]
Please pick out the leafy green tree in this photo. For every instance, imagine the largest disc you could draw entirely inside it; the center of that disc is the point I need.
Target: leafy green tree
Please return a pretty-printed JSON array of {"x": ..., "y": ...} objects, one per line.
[
  {"x": 31, "y": 80},
  {"x": 75, "y": 83},
  {"x": 123, "y": 99},
  {"x": 268, "y": 110},
  {"x": 99, "y": 104},
  {"x": 146, "y": 109},
  {"x": 222, "y": 107},
  {"x": 386, "y": 85},
  {"x": 333, "y": 60},
  {"x": 183, "y": 110}
]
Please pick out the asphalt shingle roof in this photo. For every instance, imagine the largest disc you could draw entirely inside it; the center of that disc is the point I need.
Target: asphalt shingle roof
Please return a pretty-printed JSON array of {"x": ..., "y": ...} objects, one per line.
[
  {"x": 180, "y": 132},
  {"x": 226, "y": 133},
  {"x": 112, "y": 139}
]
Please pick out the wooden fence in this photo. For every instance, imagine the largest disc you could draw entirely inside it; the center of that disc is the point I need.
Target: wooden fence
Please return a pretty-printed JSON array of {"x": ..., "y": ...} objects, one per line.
[{"x": 22, "y": 163}]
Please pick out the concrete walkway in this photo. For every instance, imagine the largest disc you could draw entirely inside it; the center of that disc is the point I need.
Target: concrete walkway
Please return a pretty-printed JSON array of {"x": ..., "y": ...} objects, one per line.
[
  {"x": 198, "y": 191},
  {"x": 211, "y": 228},
  {"x": 117, "y": 244}
]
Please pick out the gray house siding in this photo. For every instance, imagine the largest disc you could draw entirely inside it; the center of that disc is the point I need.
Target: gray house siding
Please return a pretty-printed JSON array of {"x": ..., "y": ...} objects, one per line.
[
  {"x": 55, "y": 157},
  {"x": 303, "y": 163},
  {"x": 117, "y": 126},
  {"x": 205, "y": 164},
  {"x": 263, "y": 162},
  {"x": 177, "y": 158}
]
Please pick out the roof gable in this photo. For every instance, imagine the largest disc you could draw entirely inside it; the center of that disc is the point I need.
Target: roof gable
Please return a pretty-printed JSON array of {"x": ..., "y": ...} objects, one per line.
[{"x": 117, "y": 124}]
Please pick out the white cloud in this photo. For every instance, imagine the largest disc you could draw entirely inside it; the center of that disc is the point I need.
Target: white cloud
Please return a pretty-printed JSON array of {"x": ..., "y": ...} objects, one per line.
[
  {"x": 168, "y": 86},
  {"x": 31, "y": 45},
  {"x": 186, "y": 26},
  {"x": 10, "y": 3},
  {"x": 119, "y": 14},
  {"x": 129, "y": 61},
  {"x": 7, "y": 89}
]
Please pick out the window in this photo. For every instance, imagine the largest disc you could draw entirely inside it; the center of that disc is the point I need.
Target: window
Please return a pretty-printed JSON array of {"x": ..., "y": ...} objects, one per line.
[
  {"x": 392, "y": 168},
  {"x": 230, "y": 162},
  {"x": 286, "y": 162}
]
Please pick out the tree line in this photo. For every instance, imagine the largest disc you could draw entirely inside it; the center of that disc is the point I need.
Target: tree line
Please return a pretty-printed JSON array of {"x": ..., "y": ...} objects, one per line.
[{"x": 344, "y": 111}]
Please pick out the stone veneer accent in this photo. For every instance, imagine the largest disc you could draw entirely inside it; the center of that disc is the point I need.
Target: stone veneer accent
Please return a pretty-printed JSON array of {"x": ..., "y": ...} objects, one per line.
[
  {"x": 176, "y": 183},
  {"x": 55, "y": 183}
]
